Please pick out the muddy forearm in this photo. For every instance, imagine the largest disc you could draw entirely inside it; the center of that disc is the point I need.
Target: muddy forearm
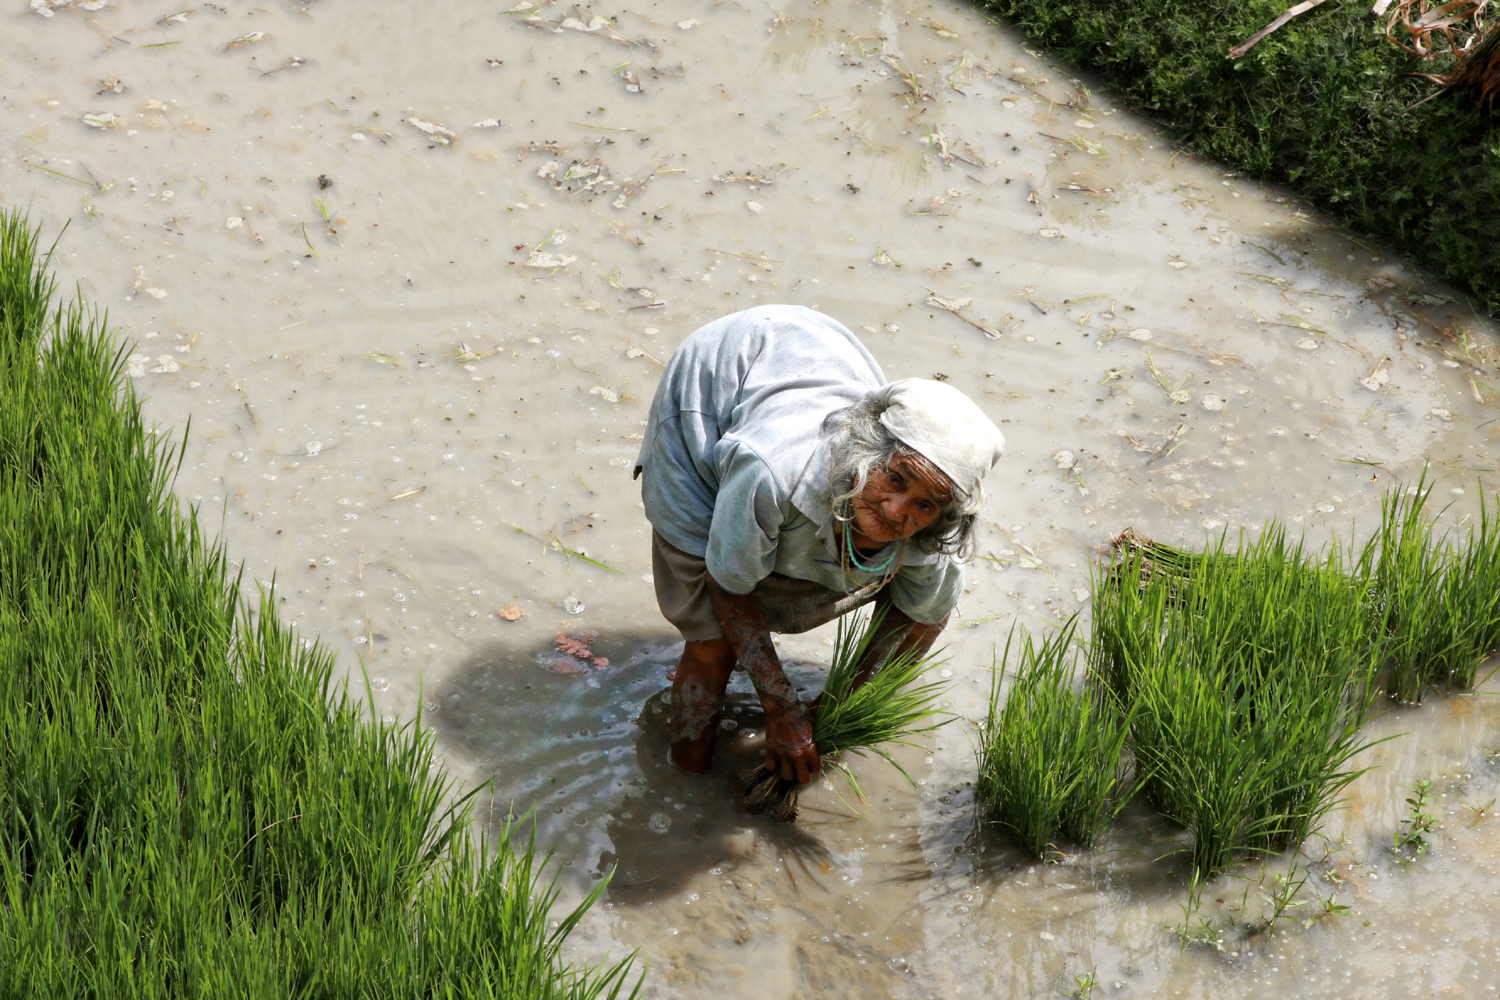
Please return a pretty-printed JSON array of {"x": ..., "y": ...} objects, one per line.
[
  {"x": 744, "y": 625},
  {"x": 898, "y": 633}
]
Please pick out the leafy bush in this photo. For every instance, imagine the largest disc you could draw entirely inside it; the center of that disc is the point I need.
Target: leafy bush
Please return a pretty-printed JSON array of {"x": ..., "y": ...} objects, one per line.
[{"x": 1324, "y": 104}]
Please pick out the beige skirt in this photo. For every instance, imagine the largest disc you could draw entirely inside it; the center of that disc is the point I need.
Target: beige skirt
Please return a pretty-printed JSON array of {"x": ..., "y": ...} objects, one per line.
[{"x": 790, "y": 605}]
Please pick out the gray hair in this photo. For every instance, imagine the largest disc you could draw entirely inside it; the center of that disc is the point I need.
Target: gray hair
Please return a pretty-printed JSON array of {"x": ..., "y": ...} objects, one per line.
[{"x": 860, "y": 443}]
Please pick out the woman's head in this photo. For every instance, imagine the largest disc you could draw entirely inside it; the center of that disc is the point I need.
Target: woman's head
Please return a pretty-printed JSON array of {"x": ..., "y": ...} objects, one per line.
[{"x": 907, "y": 461}]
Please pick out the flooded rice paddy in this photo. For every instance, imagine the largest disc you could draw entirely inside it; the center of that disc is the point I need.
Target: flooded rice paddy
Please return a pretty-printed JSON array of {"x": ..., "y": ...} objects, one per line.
[{"x": 413, "y": 271}]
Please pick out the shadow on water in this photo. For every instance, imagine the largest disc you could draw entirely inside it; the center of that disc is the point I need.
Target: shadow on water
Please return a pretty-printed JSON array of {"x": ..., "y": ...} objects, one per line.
[
  {"x": 669, "y": 827},
  {"x": 584, "y": 752}
]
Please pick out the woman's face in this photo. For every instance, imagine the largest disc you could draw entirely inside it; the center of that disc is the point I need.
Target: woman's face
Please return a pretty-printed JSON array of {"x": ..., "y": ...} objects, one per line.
[{"x": 900, "y": 500}]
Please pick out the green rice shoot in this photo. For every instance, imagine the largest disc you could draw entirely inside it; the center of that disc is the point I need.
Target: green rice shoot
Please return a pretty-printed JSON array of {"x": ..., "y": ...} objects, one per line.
[
  {"x": 893, "y": 707},
  {"x": 190, "y": 805},
  {"x": 1247, "y": 677},
  {"x": 1051, "y": 757},
  {"x": 1434, "y": 602}
]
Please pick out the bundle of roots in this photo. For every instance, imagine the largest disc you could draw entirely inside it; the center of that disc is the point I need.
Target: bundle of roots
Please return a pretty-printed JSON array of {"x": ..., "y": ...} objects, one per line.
[{"x": 769, "y": 794}]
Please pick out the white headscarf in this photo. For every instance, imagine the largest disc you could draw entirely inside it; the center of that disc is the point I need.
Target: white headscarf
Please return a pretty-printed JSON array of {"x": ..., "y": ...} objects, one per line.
[{"x": 945, "y": 426}]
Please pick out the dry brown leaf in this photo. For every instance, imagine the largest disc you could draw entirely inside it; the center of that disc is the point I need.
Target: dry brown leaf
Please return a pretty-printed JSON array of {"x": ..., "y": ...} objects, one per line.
[
  {"x": 511, "y": 613},
  {"x": 1291, "y": 12}
]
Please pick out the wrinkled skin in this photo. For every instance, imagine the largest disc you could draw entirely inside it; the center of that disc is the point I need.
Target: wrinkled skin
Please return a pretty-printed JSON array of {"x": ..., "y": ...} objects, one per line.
[{"x": 898, "y": 501}]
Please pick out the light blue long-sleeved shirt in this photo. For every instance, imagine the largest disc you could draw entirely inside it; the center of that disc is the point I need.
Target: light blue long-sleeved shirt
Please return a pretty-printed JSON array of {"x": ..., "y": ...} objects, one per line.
[{"x": 735, "y": 457}]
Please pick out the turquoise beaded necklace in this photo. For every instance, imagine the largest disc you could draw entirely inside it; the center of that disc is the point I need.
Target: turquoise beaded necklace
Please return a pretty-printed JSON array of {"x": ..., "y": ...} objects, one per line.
[{"x": 854, "y": 559}]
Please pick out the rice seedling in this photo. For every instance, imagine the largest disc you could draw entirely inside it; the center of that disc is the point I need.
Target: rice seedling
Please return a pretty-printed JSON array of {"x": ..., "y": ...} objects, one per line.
[
  {"x": 1050, "y": 758},
  {"x": 189, "y": 804},
  {"x": 1434, "y": 603},
  {"x": 892, "y": 707},
  {"x": 1410, "y": 839},
  {"x": 1404, "y": 570},
  {"x": 1246, "y": 677},
  {"x": 1472, "y": 585}
]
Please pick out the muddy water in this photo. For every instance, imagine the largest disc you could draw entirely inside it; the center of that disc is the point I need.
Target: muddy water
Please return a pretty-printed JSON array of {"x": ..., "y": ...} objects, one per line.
[{"x": 413, "y": 279}]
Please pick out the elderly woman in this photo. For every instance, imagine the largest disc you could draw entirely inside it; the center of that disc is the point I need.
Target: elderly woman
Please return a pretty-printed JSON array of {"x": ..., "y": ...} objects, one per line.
[{"x": 787, "y": 483}]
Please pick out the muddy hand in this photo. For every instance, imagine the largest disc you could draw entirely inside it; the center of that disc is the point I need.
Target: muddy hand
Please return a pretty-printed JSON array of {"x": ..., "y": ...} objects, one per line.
[{"x": 789, "y": 745}]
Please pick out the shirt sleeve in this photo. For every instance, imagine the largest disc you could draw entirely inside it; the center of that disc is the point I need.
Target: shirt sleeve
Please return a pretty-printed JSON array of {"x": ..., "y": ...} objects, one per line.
[
  {"x": 746, "y": 524},
  {"x": 927, "y": 592}
]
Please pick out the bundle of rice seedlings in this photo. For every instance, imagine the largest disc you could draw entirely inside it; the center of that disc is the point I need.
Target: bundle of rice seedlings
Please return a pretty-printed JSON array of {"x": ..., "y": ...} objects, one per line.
[
  {"x": 1406, "y": 569},
  {"x": 1247, "y": 680},
  {"x": 1050, "y": 758},
  {"x": 1475, "y": 586},
  {"x": 1434, "y": 601},
  {"x": 892, "y": 707}
]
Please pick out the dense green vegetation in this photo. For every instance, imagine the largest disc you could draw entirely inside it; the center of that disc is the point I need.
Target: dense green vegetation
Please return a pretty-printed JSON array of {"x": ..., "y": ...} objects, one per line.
[
  {"x": 1324, "y": 104},
  {"x": 189, "y": 805},
  {"x": 1050, "y": 760},
  {"x": 1240, "y": 680}
]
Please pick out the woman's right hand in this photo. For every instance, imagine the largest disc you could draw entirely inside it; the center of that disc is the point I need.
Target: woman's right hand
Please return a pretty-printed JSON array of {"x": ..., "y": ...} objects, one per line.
[
  {"x": 789, "y": 741},
  {"x": 789, "y": 744}
]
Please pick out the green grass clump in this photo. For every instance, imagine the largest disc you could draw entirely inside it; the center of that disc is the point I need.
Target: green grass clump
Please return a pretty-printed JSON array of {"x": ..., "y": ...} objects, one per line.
[
  {"x": 1050, "y": 759},
  {"x": 1434, "y": 603},
  {"x": 1243, "y": 678},
  {"x": 1324, "y": 104},
  {"x": 189, "y": 805},
  {"x": 1247, "y": 677},
  {"x": 892, "y": 707}
]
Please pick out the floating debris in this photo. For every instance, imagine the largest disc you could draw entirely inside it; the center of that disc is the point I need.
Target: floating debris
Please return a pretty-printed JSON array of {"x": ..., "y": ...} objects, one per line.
[
  {"x": 439, "y": 133},
  {"x": 250, "y": 39},
  {"x": 577, "y": 648},
  {"x": 46, "y": 7},
  {"x": 907, "y": 77},
  {"x": 1379, "y": 377},
  {"x": 550, "y": 261},
  {"x": 100, "y": 119},
  {"x": 488, "y": 123},
  {"x": 511, "y": 614},
  {"x": 595, "y": 25},
  {"x": 629, "y": 190},
  {"x": 291, "y": 62},
  {"x": 112, "y": 85},
  {"x": 957, "y": 307}
]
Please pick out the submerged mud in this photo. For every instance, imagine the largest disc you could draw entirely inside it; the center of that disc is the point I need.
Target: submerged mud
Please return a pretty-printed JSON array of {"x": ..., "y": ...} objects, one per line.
[{"x": 413, "y": 274}]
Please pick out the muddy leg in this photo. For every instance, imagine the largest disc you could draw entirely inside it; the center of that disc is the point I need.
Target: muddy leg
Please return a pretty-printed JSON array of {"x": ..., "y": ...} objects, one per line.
[{"x": 697, "y": 696}]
